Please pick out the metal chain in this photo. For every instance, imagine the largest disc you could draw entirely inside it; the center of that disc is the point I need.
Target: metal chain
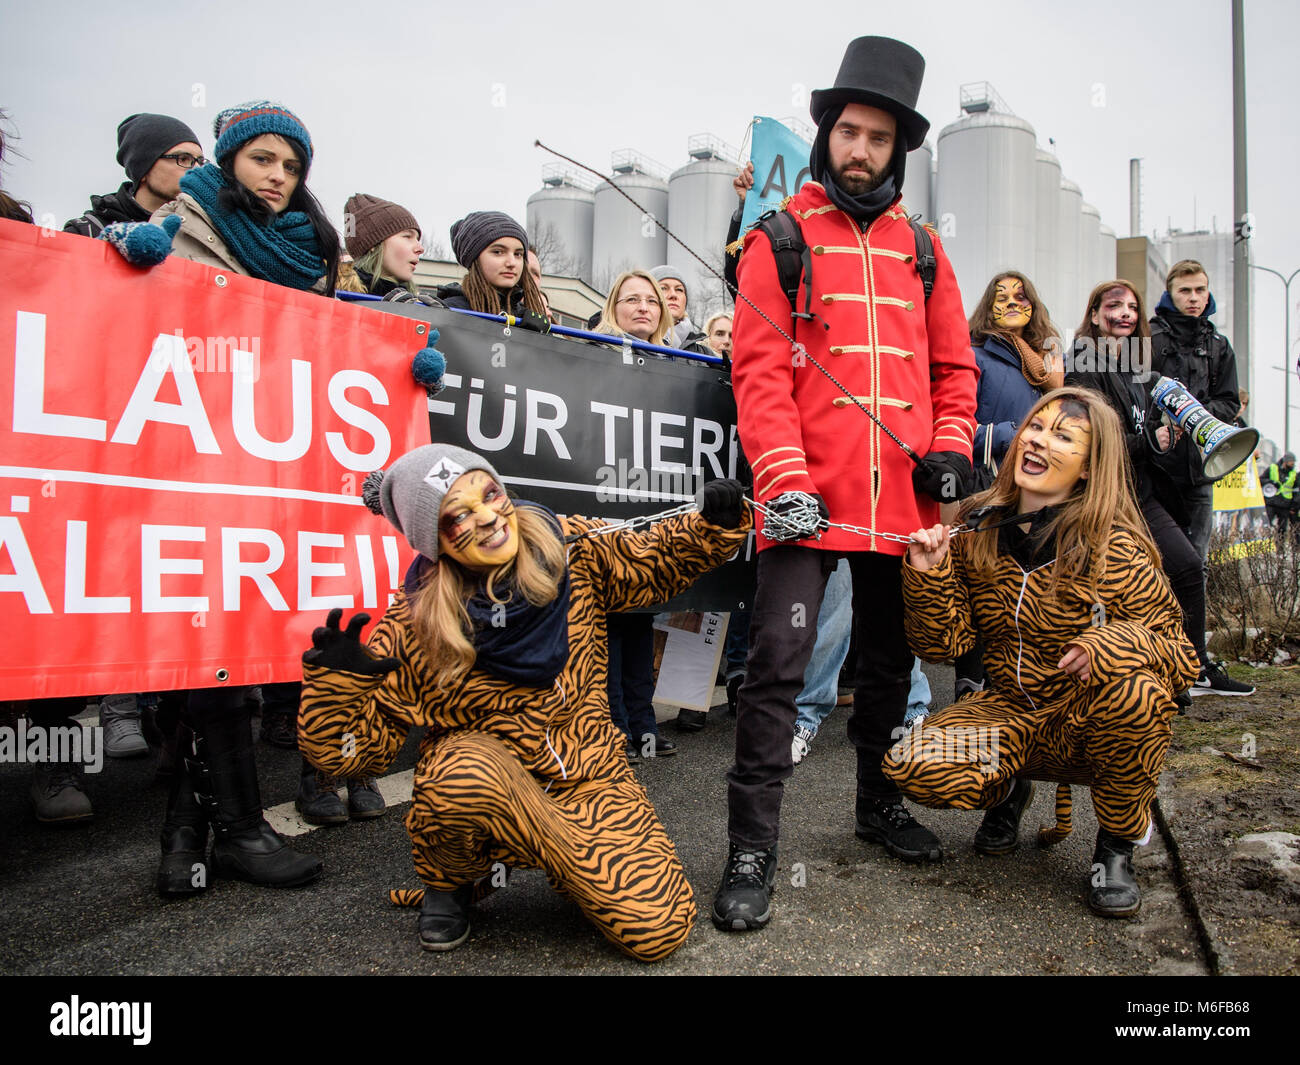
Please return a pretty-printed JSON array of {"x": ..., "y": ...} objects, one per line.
[{"x": 787, "y": 522}]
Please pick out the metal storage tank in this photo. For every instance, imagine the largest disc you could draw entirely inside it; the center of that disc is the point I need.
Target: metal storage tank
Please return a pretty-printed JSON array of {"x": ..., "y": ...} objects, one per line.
[
  {"x": 985, "y": 193},
  {"x": 1090, "y": 268},
  {"x": 700, "y": 204},
  {"x": 1070, "y": 201},
  {"x": 622, "y": 237},
  {"x": 1046, "y": 273},
  {"x": 918, "y": 182},
  {"x": 1109, "y": 267},
  {"x": 560, "y": 218}
]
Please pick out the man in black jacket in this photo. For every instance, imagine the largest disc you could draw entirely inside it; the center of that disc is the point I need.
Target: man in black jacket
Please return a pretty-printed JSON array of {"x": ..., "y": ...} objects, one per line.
[
  {"x": 1186, "y": 346},
  {"x": 154, "y": 150}
]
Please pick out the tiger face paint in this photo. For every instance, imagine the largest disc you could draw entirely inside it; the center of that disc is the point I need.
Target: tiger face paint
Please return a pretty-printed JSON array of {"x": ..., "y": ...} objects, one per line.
[
  {"x": 477, "y": 525},
  {"x": 1011, "y": 307},
  {"x": 1052, "y": 454}
]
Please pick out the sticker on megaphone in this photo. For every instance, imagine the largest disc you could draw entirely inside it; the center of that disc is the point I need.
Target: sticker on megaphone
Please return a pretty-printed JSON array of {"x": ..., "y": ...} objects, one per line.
[{"x": 1223, "y": 447}]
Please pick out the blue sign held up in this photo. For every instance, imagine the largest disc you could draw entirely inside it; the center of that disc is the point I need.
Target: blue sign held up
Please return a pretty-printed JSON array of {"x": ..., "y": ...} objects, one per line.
[{"x": 780, "y": 168}]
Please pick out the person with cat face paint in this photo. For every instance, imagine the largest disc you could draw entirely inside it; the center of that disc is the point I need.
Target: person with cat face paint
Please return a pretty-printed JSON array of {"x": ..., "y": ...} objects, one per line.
[
  {"x": 1112, "y": 354},
  {"x": 1084, "y": 645},
  {"x": 496, "y": 643}
]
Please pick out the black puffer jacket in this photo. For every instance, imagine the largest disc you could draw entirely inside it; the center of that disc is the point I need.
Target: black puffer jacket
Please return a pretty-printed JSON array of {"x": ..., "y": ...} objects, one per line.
[
  {"x": 119, "y": 206},
  {"x": 1192, "y": 351}
]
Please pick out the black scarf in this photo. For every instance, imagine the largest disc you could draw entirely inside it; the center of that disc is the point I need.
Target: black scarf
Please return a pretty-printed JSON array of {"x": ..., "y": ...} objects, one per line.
[
  {"x": 514, "y": 640},
  {"x": 866, "y": 208}
]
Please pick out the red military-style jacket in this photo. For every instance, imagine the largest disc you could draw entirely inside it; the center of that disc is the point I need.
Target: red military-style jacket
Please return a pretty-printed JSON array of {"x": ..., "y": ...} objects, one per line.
[{"x": 908, "y": 360}]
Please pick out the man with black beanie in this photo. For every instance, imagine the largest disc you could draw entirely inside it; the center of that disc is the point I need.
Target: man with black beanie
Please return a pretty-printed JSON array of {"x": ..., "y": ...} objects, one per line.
[
  {"x": 154, "y": 150},
  {"x": 861, "y": 311}
]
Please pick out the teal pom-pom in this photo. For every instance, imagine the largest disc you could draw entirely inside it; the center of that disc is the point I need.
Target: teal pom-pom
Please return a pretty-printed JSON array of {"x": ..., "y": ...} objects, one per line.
[
  {"x": 143, "y": 243},
  {"x": 429, "y": 365}
]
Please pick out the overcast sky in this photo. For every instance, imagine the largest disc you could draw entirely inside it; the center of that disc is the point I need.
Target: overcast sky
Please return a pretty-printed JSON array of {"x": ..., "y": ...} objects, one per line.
[{"x": 436, "y": 106}]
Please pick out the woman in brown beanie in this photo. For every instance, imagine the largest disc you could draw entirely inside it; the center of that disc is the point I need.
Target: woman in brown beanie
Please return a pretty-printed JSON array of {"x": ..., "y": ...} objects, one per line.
[{"x": 385, "y": 243}]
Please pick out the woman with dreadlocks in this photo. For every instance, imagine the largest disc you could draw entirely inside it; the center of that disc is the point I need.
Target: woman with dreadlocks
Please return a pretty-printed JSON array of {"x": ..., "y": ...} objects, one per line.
[
  {"x": 493, "y": 248},
  {"x": 1084, "y": 643}
]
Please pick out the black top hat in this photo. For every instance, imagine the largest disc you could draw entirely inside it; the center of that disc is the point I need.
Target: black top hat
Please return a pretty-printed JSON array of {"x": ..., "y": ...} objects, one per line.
[{"x": 880, "y": 72}]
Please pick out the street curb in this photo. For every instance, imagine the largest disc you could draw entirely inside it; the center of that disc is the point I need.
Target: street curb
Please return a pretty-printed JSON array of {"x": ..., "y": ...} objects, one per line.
[{"x": 1183, "y": 882}]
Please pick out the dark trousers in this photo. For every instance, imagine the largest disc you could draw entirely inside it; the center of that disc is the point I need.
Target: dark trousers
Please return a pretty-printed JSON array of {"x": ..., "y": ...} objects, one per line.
[
  {"x": 631, "y": 684},
  {"x": 1184, "y": 567},
  {"x": 791, "y": 582}
]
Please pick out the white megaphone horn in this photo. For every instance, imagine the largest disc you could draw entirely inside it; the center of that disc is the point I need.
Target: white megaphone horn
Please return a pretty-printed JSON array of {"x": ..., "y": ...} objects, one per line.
[{"x": 1223, "y": 447}]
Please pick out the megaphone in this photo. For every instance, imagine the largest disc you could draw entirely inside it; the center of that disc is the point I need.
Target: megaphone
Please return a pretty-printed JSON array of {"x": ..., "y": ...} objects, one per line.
[{"x": 1223, "y": 447}]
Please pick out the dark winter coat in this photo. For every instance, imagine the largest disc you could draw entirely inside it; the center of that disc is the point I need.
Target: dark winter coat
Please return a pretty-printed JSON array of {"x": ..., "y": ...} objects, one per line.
[
  {"x": 1192, "y": 351},
  {"x": 119, "y": 206},
  {"x": 1004, "y": 396}
]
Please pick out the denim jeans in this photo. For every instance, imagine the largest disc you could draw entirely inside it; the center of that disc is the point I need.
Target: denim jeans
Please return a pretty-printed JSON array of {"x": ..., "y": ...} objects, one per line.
[
  {"x": 821, "y": 680},
  {"x": 918, "y": 698}
]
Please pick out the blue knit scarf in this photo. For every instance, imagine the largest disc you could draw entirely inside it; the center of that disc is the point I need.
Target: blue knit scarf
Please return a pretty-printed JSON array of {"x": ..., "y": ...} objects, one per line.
[{"x": 283, "y": 250}]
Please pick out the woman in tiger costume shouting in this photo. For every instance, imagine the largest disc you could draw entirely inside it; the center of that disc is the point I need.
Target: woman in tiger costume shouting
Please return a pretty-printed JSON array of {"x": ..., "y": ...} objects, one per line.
[
  {"x": 1084, "y": 642},
  {"x": 496, "y": 642}
]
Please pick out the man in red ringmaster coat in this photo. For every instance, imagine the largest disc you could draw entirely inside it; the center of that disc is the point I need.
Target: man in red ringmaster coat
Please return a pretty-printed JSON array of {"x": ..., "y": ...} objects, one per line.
[{"x": 908, "y": 360}]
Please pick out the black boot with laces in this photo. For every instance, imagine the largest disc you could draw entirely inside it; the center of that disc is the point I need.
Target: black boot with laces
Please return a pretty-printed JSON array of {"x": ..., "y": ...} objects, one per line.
[{"x": 743, "y": 901}]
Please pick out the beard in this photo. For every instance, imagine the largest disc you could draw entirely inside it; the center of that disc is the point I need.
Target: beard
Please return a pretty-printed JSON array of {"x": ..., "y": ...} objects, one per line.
[{"x": 856, "y": 184}]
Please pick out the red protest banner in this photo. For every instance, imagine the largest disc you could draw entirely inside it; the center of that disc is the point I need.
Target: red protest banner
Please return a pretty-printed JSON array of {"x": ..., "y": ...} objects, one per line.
[{"x": 181, "y": 458}]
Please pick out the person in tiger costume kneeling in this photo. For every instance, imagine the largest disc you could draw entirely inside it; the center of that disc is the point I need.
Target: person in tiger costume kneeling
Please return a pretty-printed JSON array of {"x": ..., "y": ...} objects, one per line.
[
  {"x": 1084, "y": 643},
  {"x": 497, "y": 643}
]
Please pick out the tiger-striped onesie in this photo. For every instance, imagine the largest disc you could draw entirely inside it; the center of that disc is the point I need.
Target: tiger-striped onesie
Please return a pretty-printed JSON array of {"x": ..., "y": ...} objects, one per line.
[
  {"x": 1032, "y": 719},
  {"x": 530, "y": 777}
]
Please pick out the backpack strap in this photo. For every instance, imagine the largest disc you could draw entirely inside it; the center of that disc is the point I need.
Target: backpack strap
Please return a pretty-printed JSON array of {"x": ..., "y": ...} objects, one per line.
[
  {"x": 926, "y": 264},
  {"x": 793, "y": 258}
]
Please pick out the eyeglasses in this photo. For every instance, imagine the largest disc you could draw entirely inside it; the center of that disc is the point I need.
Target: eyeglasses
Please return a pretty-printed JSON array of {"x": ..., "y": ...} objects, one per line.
[
  {"x": 637, "y": 301},
  {"x": 184, "y": 160}
]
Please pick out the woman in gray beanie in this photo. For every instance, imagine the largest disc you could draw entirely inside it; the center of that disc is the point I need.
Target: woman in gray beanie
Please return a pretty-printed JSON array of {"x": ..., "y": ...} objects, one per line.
[
  {"x": 493, "y": 248},
  {"x": 496, "y": 643}
]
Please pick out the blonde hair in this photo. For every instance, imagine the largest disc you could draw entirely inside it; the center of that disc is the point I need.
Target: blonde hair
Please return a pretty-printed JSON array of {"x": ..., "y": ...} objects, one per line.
[
  {"x": 439, "y": 611},
  {"x": 371, "y": 263},
  {"x": 1084, "y": 524},
  {"x": 609, "y": 321}
]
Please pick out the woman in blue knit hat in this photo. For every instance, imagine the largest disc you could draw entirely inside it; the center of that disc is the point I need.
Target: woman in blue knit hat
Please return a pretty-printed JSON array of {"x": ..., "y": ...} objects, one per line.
[{"x": 251, "y": 211}]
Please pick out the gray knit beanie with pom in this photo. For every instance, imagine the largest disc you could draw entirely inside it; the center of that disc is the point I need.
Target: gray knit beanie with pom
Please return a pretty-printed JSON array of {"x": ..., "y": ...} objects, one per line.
[{"x": 410, "y": 493}]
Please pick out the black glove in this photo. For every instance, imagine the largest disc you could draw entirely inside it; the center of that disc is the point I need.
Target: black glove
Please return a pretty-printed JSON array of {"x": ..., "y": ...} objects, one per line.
[
  {"x": 342, "y": 651},
  {"x": 527, "y": 319},
  {"x": 823, "y": 511},
  {"x": 722, "y": 503},
  {"x": 944, "y": 476}
]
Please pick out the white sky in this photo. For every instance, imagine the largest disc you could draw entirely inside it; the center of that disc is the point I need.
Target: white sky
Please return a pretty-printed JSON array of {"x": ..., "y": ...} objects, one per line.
[{"x": 437, "y": 106}]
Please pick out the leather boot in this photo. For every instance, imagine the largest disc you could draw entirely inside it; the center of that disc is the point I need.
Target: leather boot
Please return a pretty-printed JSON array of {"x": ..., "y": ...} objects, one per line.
[
  {"x": 1001, "y": 826},
  {"x": 245, "y": 846},
  {"x": 444, "y": 918},
  {"x": 184, "y": 866},
  {"x": 1114, "y": 889}
]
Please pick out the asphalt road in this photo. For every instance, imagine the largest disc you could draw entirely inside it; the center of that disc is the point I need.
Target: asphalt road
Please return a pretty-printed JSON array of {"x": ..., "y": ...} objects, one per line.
[{"x": 80, "y": 901}]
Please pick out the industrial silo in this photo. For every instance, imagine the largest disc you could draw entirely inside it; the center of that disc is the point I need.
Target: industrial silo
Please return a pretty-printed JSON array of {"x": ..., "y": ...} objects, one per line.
[
  {"x": 561, "y": 217},
  {"x": 918, "y": 182},
  {"x": 985, "y": 193},
  {"x": 1090, "y": 268},
  {"x": 1069, "y": 273},
  {"x": 625, "y": 237},
  {"x": 1109, "y": 266},
  {"x": 701, "y": 200},
  {"x": 1046, "y": 273}
]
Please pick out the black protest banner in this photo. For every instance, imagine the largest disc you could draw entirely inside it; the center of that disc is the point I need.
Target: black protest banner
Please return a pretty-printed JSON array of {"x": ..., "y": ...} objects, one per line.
[{"x": 590, "y": 429}]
